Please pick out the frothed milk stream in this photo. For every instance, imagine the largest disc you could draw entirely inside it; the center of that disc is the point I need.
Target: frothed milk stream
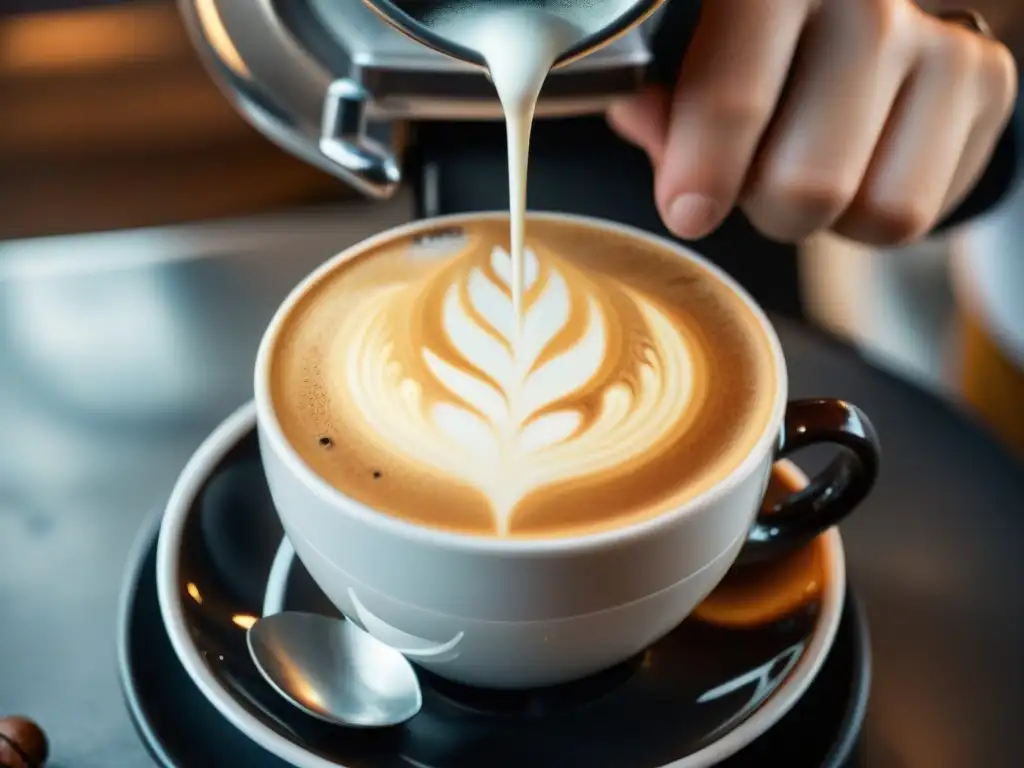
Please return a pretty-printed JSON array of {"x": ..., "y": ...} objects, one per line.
[{"x": 519, "y": 45}]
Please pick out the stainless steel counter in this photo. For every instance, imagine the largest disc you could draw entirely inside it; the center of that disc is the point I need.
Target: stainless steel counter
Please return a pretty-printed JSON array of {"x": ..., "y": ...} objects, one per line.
[{"x": 118, "y": 353}]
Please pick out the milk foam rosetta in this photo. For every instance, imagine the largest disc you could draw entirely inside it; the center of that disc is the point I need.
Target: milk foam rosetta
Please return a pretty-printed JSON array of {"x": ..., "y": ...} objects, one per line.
[{"x": 405, "y": 364}]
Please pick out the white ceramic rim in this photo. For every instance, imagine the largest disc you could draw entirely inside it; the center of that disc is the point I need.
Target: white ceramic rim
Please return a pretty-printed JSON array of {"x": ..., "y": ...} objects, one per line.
[
  {"x": 213, "y": 450},
  {"x": 460, "y": 542}
]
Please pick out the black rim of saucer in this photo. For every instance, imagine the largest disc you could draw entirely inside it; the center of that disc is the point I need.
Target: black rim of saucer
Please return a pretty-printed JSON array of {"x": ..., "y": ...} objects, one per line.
[{"x": 842, "y": 685}]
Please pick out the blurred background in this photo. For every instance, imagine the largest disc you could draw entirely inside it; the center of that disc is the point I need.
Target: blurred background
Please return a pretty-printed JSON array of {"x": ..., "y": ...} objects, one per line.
[{"x": 110, "y": 121}]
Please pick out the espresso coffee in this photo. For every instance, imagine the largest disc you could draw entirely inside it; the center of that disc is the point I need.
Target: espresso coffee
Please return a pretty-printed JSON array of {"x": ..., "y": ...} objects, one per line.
[{"x": 637, "y": 379}]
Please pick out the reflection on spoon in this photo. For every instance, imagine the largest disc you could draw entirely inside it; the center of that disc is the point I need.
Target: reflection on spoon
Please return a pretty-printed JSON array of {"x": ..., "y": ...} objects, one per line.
[
  {"x": 333, "y": 670},
  {"x": 410, "y": 646}
]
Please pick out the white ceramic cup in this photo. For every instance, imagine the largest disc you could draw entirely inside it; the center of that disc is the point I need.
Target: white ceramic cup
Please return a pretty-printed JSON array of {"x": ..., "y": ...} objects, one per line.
[{"x": 517, "y": 613}]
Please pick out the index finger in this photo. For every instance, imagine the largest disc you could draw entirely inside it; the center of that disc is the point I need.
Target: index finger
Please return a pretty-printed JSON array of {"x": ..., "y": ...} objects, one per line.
[{"x": 731, "y": 79}]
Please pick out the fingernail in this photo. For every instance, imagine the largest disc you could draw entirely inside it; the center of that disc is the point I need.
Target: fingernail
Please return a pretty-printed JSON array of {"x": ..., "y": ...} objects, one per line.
[{"x": 692, "y": 215}]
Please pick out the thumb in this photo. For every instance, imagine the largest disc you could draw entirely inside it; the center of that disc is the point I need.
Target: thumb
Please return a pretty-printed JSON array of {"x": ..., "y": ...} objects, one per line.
[{"x": 642, "y": 120}]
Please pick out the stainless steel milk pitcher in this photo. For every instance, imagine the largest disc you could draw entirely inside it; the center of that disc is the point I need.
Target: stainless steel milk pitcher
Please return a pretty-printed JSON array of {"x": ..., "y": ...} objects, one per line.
[
  {"x": 336, "y": 82},
  {"x": 599, "y": 21}
]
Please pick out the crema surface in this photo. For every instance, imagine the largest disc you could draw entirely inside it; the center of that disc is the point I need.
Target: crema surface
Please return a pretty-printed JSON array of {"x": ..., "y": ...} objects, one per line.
[{"x": 637, "y": 380}]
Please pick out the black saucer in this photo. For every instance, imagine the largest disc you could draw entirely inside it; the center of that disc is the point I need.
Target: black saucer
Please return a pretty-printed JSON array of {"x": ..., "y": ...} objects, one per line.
[{"x": 182, "y": 729}]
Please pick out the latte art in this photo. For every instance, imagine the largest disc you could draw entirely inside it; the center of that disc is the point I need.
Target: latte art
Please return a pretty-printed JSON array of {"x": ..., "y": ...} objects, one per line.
[
  {"x": 509, "y": 415},
  {"x": 635, "y": 380}
]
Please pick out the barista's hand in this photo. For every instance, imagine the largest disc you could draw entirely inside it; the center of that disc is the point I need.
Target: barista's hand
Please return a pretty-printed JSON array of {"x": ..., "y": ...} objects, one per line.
[{"x": 888, "y": 119}]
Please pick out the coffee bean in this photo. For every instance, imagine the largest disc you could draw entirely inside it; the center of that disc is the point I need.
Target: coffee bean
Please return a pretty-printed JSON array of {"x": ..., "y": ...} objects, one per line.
[{"x": 22, "y": 743}]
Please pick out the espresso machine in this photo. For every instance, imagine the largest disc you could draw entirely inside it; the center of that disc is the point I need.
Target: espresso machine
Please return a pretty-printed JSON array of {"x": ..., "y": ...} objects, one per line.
[{"x": 336, "y": 85}]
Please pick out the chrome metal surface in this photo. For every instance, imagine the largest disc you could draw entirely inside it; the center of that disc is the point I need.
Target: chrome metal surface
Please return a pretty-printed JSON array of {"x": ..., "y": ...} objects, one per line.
[
  {"x": 333, "y": 670},
  {"x": 118, "y": 354},
  {"x": 283, "y": 65},
  {"x": 281, "y": 88},
  {"x": 342, "y": 140},
  {"x": 595, "y": 22}
]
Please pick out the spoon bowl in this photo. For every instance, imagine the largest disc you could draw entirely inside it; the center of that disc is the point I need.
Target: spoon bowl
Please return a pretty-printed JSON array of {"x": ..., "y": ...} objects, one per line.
[{"x": 334, "y": 671}]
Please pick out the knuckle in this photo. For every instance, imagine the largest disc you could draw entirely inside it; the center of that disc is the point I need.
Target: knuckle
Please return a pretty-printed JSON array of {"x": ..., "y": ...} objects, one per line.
[
  {"x": 739, "y": 110},
  {"x": 885, "y": 19},
  {"x": 1000, "y": 76},
  {"x": 775, "y": 229},
  {"x": 949, "y": 52},
  {"x": 957, "y": 50},
  {"x": 970, "y": 62},
  {"x": 818, "y": 197},
  {"x": 896, "y": 221},
  {"x": 767, "y": 221},
  {"x": 788, "y": 209}
]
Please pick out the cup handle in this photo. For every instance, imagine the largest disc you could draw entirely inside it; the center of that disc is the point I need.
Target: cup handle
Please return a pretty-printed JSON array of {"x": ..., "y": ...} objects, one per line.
[{"x": 834, "y": 492}]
